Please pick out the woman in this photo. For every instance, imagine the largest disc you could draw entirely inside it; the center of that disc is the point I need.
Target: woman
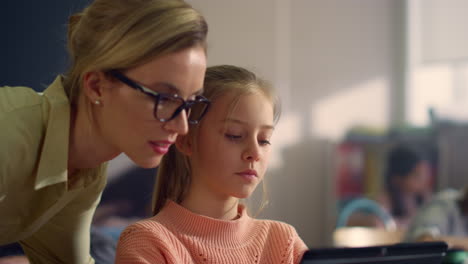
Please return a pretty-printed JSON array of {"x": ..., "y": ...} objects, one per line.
[{"x": 137, "y": 69}]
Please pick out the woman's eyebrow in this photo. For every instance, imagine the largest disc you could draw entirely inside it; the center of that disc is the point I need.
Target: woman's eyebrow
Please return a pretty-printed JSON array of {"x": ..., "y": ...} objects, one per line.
[
  {"x": 171, "y": 88},
  {"x": 168, "y": 86}
]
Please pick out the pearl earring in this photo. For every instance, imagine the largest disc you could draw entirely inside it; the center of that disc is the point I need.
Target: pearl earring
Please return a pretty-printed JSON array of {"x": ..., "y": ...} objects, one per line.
[{"x": 97, "y": 102}]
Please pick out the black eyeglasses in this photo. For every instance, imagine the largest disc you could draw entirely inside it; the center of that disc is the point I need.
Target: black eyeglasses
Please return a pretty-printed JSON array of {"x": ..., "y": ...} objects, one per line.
[{"x": 168, "y": 106}]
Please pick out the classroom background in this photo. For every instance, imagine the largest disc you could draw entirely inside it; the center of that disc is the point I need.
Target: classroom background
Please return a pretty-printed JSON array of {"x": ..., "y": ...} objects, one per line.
[{"x": 355, "y": 77}]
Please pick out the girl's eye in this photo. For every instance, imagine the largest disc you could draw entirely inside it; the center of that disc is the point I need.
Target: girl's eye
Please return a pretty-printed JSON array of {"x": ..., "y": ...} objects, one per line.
[
  {"x": 264, "y": 142},
  {"x": 232, "y": 137}
]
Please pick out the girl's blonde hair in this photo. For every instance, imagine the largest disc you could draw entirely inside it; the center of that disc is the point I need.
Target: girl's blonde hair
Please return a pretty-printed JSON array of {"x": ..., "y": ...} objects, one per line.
[
  {"x": 173, "y": 179},
  {"x": 120, "y": 34}
]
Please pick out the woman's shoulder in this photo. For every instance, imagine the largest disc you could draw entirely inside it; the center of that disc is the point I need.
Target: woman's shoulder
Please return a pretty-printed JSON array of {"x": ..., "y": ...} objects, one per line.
[
  {"x": 22, "y": 114},
  {"x": 21, "y": 118},
  {"x": 13, "y": 98},
  {"x": 18, "y": 98}
]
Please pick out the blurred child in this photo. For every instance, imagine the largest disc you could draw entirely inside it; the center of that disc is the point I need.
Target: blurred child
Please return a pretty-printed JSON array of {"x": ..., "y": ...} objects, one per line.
[
  {"x": 407, "y": 187},
  {"x": 445, "y": 218},
  {"x": 406, "y": 184},
  {"x": 198, "y": 214}
]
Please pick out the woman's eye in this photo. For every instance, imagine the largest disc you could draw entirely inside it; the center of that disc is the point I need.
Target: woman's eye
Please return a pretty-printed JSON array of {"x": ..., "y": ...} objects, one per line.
[
  {"x": 163, "y": 100},
  {"x": 264, "y": 142},
  {"x": 232, "y": 137}
]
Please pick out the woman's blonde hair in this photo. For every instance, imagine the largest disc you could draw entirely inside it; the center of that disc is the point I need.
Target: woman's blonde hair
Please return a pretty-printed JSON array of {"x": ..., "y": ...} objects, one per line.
[
  {"x": 120, "y": 34},
  {"x": 173, "y": 179}
]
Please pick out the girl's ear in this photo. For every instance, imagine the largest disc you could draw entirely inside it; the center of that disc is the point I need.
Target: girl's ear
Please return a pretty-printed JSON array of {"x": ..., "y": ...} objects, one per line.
[{"x": 184, "y": 144}]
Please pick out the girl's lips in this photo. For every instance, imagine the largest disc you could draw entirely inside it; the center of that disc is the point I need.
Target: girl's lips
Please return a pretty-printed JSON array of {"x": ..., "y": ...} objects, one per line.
[
  {"x": 249, "y": 175},
  {"x": 248, "y": 172},
  {"x": 160, "y": 147}
]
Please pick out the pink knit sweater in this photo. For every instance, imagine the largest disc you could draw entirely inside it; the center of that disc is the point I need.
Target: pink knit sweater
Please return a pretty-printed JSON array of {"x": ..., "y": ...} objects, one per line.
[{"x": 178, "y": 236}]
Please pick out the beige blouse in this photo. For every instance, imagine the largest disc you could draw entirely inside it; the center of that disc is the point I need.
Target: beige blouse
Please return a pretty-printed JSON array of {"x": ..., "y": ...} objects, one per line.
[{"x": 39, "y": 207}]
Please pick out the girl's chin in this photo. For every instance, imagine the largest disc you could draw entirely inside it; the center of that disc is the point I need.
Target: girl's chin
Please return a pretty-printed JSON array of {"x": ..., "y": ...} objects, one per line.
[{"x": 242, "y": 195}]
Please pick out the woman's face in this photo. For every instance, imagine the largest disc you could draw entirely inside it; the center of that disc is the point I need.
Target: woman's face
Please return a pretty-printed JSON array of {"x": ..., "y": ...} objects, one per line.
[
  {"x": 232, "y": 147},
  {"x": 126, "y": 118}
]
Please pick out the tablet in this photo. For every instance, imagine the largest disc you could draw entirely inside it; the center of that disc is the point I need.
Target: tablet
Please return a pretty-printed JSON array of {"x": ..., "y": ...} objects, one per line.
[{"x": 403, "y": 253}]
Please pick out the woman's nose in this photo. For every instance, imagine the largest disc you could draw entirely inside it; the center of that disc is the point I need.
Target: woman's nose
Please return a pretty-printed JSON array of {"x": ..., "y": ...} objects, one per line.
[{"x": 179, "y": 124}]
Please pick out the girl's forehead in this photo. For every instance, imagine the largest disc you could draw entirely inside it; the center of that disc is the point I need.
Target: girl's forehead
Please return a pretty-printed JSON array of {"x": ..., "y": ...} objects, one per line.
[{"x": 250, "y": 108}]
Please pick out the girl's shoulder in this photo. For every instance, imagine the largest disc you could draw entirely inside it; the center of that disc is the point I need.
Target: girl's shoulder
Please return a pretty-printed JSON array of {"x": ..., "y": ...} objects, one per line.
[
  {"x": 147, "y": 231},
  {"x": 276, "y": 227},
  {"x": 143, "y": 240},
  {"x": 146, "y": 226}
]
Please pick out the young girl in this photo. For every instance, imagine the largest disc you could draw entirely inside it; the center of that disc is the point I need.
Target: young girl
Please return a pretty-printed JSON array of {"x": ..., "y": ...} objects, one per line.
[
  {"x": 137, "y": 67},
  {"x": 198, "y": 215}
]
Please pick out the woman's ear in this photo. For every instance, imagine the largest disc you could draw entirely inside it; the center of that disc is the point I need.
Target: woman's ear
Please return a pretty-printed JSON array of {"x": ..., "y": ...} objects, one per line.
[
  {"x": 93, "y": 85},
  {"x": 184, "y": 144}
]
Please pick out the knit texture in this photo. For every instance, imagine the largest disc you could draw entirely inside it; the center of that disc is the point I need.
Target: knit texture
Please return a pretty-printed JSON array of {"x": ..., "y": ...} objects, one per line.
[{"x": 176, "y": 235}]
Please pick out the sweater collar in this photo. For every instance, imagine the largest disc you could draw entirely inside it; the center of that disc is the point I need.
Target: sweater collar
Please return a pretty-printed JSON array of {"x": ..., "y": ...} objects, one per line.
[{"x": 224, "y": 233}]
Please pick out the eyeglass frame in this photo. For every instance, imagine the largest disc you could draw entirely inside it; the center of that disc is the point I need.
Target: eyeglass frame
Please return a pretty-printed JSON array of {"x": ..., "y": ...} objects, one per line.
[{"x": 186, "y": 104}]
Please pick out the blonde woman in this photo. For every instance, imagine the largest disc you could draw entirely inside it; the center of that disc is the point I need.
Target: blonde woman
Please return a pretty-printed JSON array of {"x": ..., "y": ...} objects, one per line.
[
  {"x": 137, "y": 70},
  {"x": 198, "y": 214}
]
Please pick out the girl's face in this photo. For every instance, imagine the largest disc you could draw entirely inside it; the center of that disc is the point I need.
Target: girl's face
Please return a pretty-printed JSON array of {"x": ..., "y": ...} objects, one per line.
[
  {"x": 125, "y": 118},
  {"x": 233, "y": 147}
]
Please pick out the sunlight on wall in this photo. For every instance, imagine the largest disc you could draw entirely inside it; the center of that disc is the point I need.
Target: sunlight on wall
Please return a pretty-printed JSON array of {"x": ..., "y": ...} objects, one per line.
[
  {"x": 442, "y": 87},
  {"x": 366, "y": 104},
  {"x": 287, "y": 133},
  {"x": 437, "y": 60},
  {"x": 431, "y": 88}
]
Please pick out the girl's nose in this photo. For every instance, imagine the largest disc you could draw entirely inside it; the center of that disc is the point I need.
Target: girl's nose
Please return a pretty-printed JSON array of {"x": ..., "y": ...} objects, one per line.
[{"x": 252, "y": 152}]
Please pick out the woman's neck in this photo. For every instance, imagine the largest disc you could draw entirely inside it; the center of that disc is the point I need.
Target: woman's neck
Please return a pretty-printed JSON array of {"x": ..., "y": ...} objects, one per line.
[
  {"x": 87, "y": 149},
  {"x": 204, "y": 204}
]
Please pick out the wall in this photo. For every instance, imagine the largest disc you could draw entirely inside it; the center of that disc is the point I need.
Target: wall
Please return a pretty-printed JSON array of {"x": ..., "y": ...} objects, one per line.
[
  {"x": 335, "y": 64},
  {"x": 33, "y": 41}
]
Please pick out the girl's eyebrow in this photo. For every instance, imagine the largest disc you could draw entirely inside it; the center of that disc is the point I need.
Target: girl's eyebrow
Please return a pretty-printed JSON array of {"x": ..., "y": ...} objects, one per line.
[{"x": 237, "y": 121}]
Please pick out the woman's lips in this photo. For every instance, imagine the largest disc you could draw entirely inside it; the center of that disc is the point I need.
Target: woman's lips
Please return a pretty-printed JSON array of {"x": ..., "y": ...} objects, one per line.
[{"x": 160, "y": 147}]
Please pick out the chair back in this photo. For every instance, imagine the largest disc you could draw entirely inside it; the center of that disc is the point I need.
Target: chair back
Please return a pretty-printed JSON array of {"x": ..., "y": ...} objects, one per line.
[
  {"x": 354, "y": 236},
  {"x": 368, "y": 205},
  {"x": 357, "y": 236}
]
